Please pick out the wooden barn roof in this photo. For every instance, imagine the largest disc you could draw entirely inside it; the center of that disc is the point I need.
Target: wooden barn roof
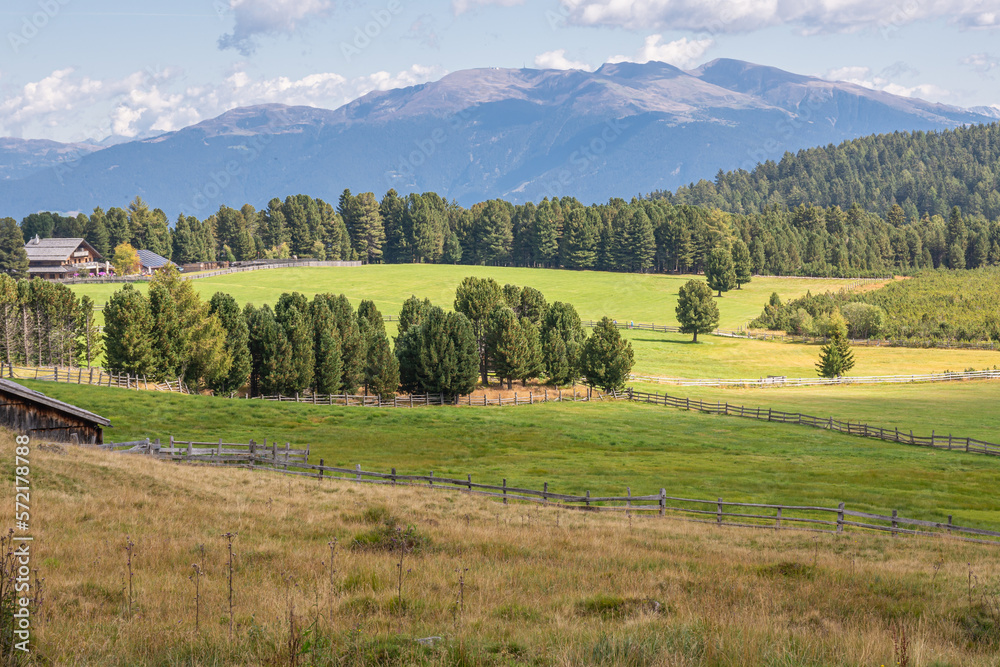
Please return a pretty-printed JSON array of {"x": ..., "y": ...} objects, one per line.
[
  {"x": 12, "y": 388},
  {"x": 53, "y": 249}
]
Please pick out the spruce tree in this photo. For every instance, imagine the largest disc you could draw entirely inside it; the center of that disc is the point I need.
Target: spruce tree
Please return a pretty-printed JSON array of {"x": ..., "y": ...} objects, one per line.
[
  {"x": 696, "y": 310},
  {"x": 505, "y": 345},
  {"x": 168, "y": 343},
  {"x": 476, "y": 298},
  {"x": 563, "y": 337},
  {"x": 237, "y": 344},
  {"x": 447, "y": 354},
  {"x": 329, "y": 368},
  {"x": 292, "y": 314},
  {"x": 353, "y": 350},
  {"x": 835, "y": 358},
  {"x": 96, "y": 232},
  {"x": 277, "y": 374},
  {"x": 741, "y": 263},
  {"x": 382, "y": 370},
  {"x": 89, "y": 340},
  {"x": 607, "y": 358},
  {"x": 719, "y": 270},
  {"x": 128, "y": 330},
  {"x": 13, "y": 258}
]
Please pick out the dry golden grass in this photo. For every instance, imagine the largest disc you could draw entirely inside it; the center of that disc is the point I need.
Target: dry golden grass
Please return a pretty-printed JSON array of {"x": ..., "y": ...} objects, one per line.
[{"x": 542, "y": 586}]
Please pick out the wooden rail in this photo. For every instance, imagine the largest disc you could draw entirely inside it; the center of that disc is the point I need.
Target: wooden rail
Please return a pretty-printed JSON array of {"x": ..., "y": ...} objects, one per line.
[
  {"x": 425, "y": 400},
  {"x": 92, "y": 376},
  {"x": 781, "y": 381},
  {"x": 949, "y": 442},
  {"x": 718, "y": 511}
]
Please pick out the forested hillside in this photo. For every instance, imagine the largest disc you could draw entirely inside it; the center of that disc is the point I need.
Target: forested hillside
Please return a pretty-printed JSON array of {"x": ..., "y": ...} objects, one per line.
[
  {"x": 960, "y": 305},
  {"x": 925, "y": 173},
  {"x": 643, "y": 235}
]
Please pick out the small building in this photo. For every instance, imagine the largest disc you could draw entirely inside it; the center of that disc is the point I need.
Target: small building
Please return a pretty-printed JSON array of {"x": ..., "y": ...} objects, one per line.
[
  {"x": 32, "y": 413},
  {"x": 56, "y": 259},
  {"x": 204, "y": 266},
  {"x": 151, "y": 262}
]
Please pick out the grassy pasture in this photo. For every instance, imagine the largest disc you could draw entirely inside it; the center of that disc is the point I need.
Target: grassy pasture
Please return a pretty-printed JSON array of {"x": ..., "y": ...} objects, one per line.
[
  {"x": 963, "y": 409},
  {"x": 576, "y": 447},
  {"x": 541, "y": 587},
  {"x": 674, "y": 355},
  {"x": 641, "y": 297}
]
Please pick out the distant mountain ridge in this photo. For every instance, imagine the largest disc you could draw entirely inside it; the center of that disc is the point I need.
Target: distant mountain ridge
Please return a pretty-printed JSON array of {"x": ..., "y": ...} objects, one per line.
[{"x": 484, "y": 133}]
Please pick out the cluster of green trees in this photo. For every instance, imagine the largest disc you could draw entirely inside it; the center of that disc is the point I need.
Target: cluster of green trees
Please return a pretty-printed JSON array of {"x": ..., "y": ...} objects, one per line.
[
  {"x": 925, "y": 173},
  {"x": 638, "y": 236},
  {"x": 44, "y": 324},
  {"x": 936, "y": 305},
  {"x": 324, "y": 345}
]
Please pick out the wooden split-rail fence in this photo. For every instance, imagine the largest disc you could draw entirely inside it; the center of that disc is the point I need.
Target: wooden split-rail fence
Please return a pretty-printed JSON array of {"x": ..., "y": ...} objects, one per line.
[
  {"x": 92, "y": 376},
  {"x": 219, "y": 453},
  {"x": 425, "y": 400},
  {"x": 782, "y": 381},
  {"x": 720, "y": 512},
  {"x": 947, "y": 442}
]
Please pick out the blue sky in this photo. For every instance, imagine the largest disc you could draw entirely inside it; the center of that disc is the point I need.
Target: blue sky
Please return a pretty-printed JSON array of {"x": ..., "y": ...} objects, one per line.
[{"x": 72, "y": 70}]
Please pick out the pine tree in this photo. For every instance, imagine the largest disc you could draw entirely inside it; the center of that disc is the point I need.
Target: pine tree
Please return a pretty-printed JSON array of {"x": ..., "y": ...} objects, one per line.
[
  {"x": 506, "y": 347},
  {"x": 168, "y": 341},
  {"x": 607, "y": 358},
  {"x": 382, "y": 370},
  {"x": 13, "y": 258},
  {"x": 411, "y": 314},
  {"x": 277, "y": 374},
  {"x": 117, "y": 224},
  {"x": 397, "y": 247},
  {"x": 696, "y": 310},
  {"x": 563, "y": 337},
  {"x": 446, "y": 354},
  {"x": 476, "y": 298},
  {"x": 128, "y": 328},
  {"x": 89, "y": 342},
  {"x": 835, "y": 358},
  {"x": 292, "y": 314},
  {"x": 719, "y": 270},
  {"x": 237, "y": 344},
  {"x": 364, "y": 224},
  {"x": 96, "y": 232},
  {"x": 741, "y": 263},
  {"x": 353, "y": 350},
  {"x": 580, "y": 239}
]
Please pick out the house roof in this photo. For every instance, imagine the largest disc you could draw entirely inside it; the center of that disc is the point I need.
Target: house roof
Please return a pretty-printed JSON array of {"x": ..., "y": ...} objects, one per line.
[
  {"x": 8, "y": 387},
  {"x": 151, "y": 260},
  {"x": 55, "y": 249}
]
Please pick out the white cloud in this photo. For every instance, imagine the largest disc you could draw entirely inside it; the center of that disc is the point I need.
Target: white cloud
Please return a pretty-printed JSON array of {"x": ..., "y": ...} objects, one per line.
[
  {"x": 255, "y": 18},
  {"x": 684, "y": 53},
  {"x": 153, "y": 102},
  {"x": 462, "y": 6},
  {"x": 726, "y": 16},
  {"x": 867, "y": 78},
  {"x": 557, "y": 60},
  {"x": 982, "y": 63}
]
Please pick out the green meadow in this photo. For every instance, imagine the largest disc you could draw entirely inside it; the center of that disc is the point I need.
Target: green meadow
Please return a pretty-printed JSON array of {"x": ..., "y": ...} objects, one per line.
[{"x": 577, "y": 447}]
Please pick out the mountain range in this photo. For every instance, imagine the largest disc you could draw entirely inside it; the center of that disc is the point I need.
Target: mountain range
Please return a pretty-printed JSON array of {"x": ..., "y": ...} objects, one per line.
[{"x": 477, "y": 134}]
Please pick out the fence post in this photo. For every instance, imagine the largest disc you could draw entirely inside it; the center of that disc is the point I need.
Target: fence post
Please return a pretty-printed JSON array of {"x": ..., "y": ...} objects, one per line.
[
  {"x": 431, "y": 480},
  {"x": 220, "y": 446},
  {"x": 588, "y": 498},
  {"x": 777, "y": 520},
  {"x": 469, "y": 482},
  {"x": 515, "y": 398},
  {"x": 505, "y": 491},
  {"x": 545, "y": 492},
  {"x": 663, "y": 502},
  {"x": 949, "y": 523},
  {"x": 394, "y": 477},
  {"x": 321, "y": 468},
  {"x": 628, "y": 501},
  {"x": 274, "y": 449},
  {"x": 718, "y": 513},
  {"x": 894, "y": 524},
  {"x": 840, "y": 518},
  {"x": 357, "y": 470},
  {"x": 190, "y": 448}
]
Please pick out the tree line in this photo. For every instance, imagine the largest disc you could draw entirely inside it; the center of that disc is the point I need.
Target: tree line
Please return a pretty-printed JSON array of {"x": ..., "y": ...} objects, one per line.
[
  {"x": 641, "y": 235},
  {"x": 324, "y": 345},
  {"x": 45, "y": 324}
]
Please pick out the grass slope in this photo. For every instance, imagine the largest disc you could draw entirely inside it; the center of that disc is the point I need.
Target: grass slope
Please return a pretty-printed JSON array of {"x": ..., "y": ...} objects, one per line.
[
  {"x": 541, "y": 587},
  {"x": 576, "y": 447},
  {"x": 674, "y": 355},
  {"x": 959, "y": 408},
  {"x": 641, "y": 297}
]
